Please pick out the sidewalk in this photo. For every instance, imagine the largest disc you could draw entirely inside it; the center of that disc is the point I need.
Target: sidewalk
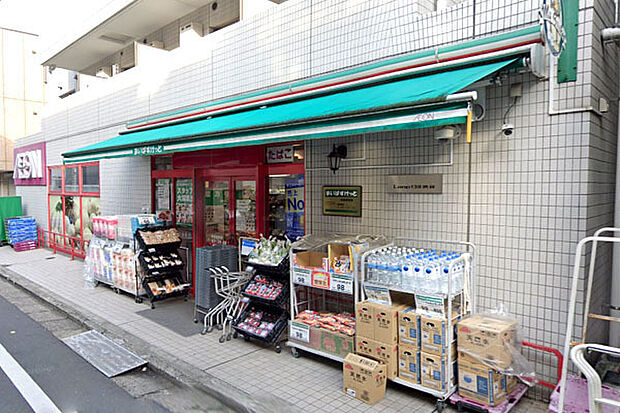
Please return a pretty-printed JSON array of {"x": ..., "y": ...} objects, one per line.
[{"x": 243, "y": 375}]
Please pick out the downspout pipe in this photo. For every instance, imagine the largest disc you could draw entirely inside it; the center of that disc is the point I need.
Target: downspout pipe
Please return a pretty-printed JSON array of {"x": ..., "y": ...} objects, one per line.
[{"x": 614, "y": 310}]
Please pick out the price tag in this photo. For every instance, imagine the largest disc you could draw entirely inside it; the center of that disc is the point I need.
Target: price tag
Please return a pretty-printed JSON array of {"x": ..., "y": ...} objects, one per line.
[
  {"x": 320, "y": 279},
  {"x": 300, "y": 332},
  {"x": 378, "y": 294},
  {"x": 302, "y": 277},
  {"x": 341, "y": 284}
]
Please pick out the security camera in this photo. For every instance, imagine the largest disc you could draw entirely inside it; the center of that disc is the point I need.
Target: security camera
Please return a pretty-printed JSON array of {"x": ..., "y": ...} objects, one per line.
[{"x": 508, "y": 129}]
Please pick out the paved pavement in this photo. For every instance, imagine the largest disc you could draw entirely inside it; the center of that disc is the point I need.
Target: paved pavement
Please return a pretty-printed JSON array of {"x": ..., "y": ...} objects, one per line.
[
  {"x": 69, "y": 381},
  {"x": 243, "y": 375}
]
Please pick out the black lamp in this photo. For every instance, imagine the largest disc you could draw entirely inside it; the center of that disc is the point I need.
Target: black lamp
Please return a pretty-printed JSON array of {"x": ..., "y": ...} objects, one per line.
[{"x": 336, "y": 156}]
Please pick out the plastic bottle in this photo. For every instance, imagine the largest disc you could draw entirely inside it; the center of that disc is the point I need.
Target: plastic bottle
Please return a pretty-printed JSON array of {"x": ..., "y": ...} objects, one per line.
[{"x": 431, "y": 271}]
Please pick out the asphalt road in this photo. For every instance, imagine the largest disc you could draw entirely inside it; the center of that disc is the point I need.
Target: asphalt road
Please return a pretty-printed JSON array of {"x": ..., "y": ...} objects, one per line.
[{"x": 71, "y": 383}]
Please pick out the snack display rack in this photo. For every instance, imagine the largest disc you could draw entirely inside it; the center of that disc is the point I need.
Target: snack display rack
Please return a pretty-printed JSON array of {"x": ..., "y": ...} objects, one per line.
[
  {"x": 434, "y": 303},
  {"x": 321, "y": 278},
  {"x": 266, "y": 294},
  {"x": 160, "y": 271},
  {"x": 112, "y": 263}
]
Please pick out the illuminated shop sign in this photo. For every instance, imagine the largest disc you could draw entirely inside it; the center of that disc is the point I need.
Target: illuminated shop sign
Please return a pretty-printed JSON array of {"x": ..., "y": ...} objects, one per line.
[{"x": 29, "y": 165}]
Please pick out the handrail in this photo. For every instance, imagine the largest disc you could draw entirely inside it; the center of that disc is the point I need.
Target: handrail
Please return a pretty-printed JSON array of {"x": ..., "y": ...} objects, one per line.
[
  {"x": 591, "y": 277},
  {"x": 571, "y": 309},
  {"x": 553, "y": 351},
  {"x": 595, "y": 390},
  {"x": 69, "y": 245}
]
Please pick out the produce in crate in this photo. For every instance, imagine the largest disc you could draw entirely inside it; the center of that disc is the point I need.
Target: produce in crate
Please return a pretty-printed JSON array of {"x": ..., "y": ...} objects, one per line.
[{"x": 270, "y": 251}]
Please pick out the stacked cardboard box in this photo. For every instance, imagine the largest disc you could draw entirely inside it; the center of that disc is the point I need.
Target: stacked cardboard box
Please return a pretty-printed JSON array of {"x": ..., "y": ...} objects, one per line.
[
  {"x": 482, "y": 344},
  {"x": 423, "y": 349},
  {"x": 377, "y": 333},
  {"x": 364, "y": 378},
  {"x": 409, "y": 345},
  {"x": 435, "y": 346}
]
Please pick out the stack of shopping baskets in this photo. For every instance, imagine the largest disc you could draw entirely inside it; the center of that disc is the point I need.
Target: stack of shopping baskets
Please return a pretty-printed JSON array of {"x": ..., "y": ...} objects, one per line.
[{"x": 224, "y": 258}]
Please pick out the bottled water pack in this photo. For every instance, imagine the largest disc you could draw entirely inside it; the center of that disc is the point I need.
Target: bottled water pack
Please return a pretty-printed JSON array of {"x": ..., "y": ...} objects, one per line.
[{"x": 416, "y": 270}]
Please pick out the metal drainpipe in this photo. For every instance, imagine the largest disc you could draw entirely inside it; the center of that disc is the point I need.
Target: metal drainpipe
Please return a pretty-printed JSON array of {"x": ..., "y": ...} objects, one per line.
[{"x": 614, "y": 328}]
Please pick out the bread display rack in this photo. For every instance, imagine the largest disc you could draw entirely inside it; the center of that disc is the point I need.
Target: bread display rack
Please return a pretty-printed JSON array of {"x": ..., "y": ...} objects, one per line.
[{"x": 161, "y": 268}]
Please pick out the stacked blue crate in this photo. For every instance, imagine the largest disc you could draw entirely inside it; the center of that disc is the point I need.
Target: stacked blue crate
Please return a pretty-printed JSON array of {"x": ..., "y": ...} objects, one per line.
[{"x": 22, "y": 231}]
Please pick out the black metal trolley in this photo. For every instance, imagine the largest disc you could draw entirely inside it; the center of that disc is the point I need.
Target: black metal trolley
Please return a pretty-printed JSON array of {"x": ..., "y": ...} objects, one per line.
[
  {"x": 269, "y": 310},
  {"x": 161, "y": 268}
]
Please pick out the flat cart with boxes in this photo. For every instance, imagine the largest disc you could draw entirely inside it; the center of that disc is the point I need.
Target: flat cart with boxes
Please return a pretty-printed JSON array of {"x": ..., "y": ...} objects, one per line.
[
  {"x": 324, "y": 287},
  {"x": 438, "y": 278}
]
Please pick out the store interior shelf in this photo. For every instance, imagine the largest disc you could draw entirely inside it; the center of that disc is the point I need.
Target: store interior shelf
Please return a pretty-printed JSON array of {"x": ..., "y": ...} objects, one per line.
[{"x": 314, "y": 351}]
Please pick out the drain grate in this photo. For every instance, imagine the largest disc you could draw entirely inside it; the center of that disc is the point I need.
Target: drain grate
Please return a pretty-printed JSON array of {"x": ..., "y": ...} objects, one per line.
[{"x": 104, "y": 354}]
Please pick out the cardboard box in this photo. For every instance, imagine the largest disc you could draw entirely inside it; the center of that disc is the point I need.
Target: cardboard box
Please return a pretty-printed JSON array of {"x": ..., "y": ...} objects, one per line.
[
  {"x": 309, "y": 259},
  {"x": 409, "y": 327},
  {"x": 481, "y": 383},
  {"x": 364, "y": 378},
  {"x": 331, "y": 342},
  {"x": 335, "y": 254},
  {"x": 434, "y": 370},
  {"x": 386, "y": 322},
  {"x": 434, "y": 335},
  {"x": 364, "y": 319},
  {"x": 385, "y": 353},
  {"x": 486, "y": 335},
  {"x": 409, "y": 363}
]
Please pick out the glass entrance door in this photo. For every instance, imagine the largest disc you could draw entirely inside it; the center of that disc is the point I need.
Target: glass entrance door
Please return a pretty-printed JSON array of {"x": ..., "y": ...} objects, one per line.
[
  {"x": 245, "y": 208},
  {"x": 217, "y": 219}
]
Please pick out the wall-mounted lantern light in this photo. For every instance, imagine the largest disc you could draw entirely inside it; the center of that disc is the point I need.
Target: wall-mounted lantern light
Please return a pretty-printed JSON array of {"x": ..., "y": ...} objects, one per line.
[{"x": 336, "y": 156}]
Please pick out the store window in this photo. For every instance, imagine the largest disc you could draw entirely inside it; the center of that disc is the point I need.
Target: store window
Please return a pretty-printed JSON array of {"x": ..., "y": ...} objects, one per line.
[
  {"x": 73, "y": 203},
  {"x": 286, "y": 206},
  {"x": 55, "y": 179}
]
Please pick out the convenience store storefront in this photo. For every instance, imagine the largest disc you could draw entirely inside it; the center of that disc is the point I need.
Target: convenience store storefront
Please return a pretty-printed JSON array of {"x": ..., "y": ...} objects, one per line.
[{"x": 211, "y": 172}]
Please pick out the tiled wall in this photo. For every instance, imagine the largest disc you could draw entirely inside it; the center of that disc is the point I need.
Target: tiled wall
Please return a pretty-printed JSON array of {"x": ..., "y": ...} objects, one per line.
[{"x": 533, "y": 195}]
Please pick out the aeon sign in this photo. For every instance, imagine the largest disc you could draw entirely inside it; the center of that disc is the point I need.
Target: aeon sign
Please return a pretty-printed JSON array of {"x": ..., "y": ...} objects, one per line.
[{"x": 29, "y": 165}]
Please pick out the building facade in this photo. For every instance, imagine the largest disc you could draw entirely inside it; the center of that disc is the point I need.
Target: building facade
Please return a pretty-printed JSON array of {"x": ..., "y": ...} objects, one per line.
[
  {"x": 525, "y": 200},
  {"x": 22, "y": 97}
]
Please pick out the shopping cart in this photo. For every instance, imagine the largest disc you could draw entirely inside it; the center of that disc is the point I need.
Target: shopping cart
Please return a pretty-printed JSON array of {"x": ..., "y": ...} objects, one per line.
[{"x": 228, "y": 285}]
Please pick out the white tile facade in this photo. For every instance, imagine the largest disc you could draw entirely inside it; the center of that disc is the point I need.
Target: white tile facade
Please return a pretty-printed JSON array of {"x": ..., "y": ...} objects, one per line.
[{"x": 533, "y": 195}]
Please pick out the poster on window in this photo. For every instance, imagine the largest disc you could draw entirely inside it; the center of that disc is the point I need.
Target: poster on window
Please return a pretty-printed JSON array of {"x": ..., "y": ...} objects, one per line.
[
  {"x": 162, "y": 200},
  {"x": 184, "y": 202},
  {"x": 295, "y": 207}
]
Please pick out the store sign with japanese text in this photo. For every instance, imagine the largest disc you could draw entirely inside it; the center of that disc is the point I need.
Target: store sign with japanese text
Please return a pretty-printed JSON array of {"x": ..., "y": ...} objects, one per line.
[
  {"x": 29, "y": 167},
  {"x": 148, "y": 150},
  {"x": 280, "y": 154},
  {"x": 345, "y": 201}
]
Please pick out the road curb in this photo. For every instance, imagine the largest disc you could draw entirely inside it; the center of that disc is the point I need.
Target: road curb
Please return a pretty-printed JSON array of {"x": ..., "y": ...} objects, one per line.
[{"x": 160, "y": 361}]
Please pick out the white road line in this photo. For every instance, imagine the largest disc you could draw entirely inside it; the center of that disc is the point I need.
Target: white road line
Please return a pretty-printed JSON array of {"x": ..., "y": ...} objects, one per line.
[{"x": 28, "y": 388}]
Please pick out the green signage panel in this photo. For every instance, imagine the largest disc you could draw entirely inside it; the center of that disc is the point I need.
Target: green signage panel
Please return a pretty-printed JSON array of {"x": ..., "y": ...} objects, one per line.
[
  {"x": 345, "y": 201},
  {"x": 567, "y": 62}
]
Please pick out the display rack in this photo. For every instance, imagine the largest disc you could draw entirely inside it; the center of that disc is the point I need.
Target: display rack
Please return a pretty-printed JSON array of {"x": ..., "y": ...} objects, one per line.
[
  {"x": 466, "y": 295},
  {"x": 112, "y": 263},
  {"x": 324, "y": 281},
  {"x": 267, "y": 293},
  {"x": 159, "y": 267}
]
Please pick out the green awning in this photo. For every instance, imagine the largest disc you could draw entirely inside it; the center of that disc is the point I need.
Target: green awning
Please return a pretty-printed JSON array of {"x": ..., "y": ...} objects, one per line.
[{"x": 418, "y": 102}]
